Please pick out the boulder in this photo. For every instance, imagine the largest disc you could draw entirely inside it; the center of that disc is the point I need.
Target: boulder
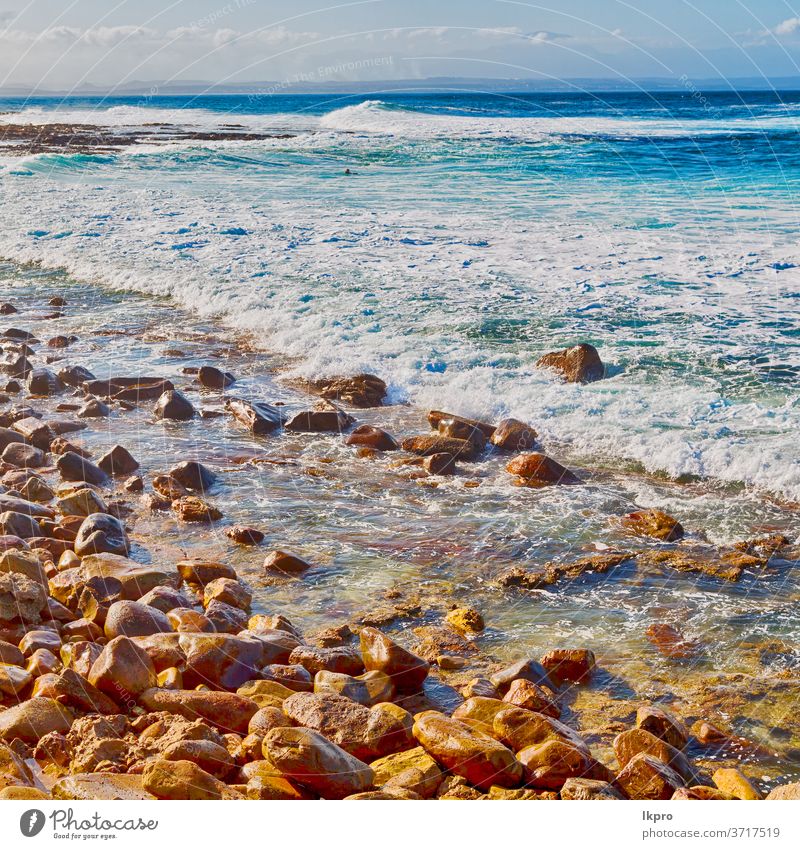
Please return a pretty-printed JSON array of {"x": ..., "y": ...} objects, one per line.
[
  {"x": 242, "y": 535},
  {"x": 101, "y": 533},
  {"x": 368, "y": 689},
  {"x": 528, "y": 670},
  {"x": 73, "y": 467},
  {"x": 208, "y": 755},
  {"x": 75, "y": 375},
  {"x": 548, "y": 765},
  {"x": 589, "y": 789},
  {"x": 202, "y": 572},
  {"x": 136, "y": 579},
  {"x": 21, "y": 598},
  {"x": 380, "y": 653},
  {"x": 259, "y": 418},
  {"x": 476, "y": 757},
  {"x": 32, "y": 719},
  {"x": 325, "y": 417},
  {"x": 514, "y": 435},
  {"x": 630, "y": 743},
  {"x": 193, "y": 475},
  {"x": 95, "y": 786},
  {"x": 123, "y": 670},
  {"x": 478, "y": 712},
  {"x": 653, "y": 523},
  {"x": 193, "y": 509},
  {"x": 663, "y": 724},
  {"x": 526, "y": 694},
  {"x": 134, "y": 619},
  {"x": 734, "y": 783},
  {"x": 291, "y": 675},
  {"x": 574, "y": 666},
  {"x": 23, "y": 456},
  {"x": 425, "y": 446},
  {"x": 537, "y": 470},
  {"x": 334, "y": 659},
  {"x": 413, "y": 770},
  {"x": 81, "y": 502},
  {"x": 362, "y": 390},
  {"x": 579, "y": 364},
  {"x": 174, "y": 407},
  {"x": 227, "y": 711},
  {"x": 13, "y": 680},
  {"x": 181, "y": 779},
  {"x": 368, "y": 436},
  {"x": 785, "y": 791},
  {"x": 94, "y": 408},
  {"x": 221, "y": 660},
  {"x": 467, "y": 620},
  {"x": 118, "y": 462},
  {"x": 518, "y": 728},
  {"x": 228, "y": 591},
  {"x": 646, "y": 777},
  {"x": 19, "y": 525},
  {"x": 307, "y": 757},
  {"x": 42, "y": 381},
  {"x": 435, "y": 418},
  {"x": 214, "y": 378},
  {"x": 282, "y": 561}
]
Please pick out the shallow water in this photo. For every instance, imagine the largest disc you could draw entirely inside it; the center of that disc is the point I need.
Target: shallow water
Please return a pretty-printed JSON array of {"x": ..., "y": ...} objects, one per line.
[{"x": 370, "y": 527}]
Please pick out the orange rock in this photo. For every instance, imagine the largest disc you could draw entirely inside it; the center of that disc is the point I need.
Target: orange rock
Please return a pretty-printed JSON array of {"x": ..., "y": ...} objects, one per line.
[
  {"x": 579, "y": 364},
  {"x": 536, "y": 470}
]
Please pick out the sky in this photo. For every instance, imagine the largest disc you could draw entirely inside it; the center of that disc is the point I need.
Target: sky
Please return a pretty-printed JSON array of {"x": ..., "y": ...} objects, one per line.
[{"x": 65, "y": 44}]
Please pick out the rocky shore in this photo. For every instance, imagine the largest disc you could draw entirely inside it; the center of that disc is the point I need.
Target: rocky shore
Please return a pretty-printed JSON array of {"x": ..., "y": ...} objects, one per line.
[{"x": 132, "y": 668}]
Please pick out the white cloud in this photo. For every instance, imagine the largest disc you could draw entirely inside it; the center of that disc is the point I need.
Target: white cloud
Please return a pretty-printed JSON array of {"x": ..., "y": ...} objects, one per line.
[{"x": 787, "y": 27}]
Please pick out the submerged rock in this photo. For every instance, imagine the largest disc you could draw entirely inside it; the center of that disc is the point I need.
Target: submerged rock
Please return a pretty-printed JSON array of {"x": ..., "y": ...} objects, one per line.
[{"x": 653, "y": 523}]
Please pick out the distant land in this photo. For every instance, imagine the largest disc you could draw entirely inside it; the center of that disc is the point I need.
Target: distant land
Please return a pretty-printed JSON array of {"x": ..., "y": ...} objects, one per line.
[{"x": 298, "y": 85}]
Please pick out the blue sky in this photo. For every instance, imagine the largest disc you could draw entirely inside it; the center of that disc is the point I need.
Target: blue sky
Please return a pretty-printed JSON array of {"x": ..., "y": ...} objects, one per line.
[{"x": 67, "y": 43}]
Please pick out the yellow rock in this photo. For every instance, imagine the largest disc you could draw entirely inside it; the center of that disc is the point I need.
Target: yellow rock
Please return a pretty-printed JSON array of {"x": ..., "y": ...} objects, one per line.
[{"x": 734, "y": 782}]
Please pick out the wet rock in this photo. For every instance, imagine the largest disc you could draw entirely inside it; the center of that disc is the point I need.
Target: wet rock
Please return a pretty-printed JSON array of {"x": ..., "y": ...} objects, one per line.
[
  {"x": 435, "y": 418},
  {"x": 548, "y": 765},
  {"x": 133, "y": 389},
  {"x": 21, "y": 598},
  {"x": 475, "y": 757},
  {"x": 478, "y": 712},
  {"x": 134, "y": 484},
  {"x": 646, "y": 777},
  {"x": 31, "y": 720},
  {"x": 228, "y": 591},
  {"x": 662, "y": 724},
  {"x": 168, "y": 779},
  {"x": 407, "y": 671},
  {"x": 514, "y": 435},
  {"x": 94, "y": 408},
  {"x": 480, "y": 687},
  {"x": 214, "y": 378},
  {"x": 536, "y": 470},
  {"x": 123, "y": 670},
  {"x": 324, "y": 418},
  {"x": 193, "y": 475},
  {"x": 7, "y": 309},
  {"x": 715, "y": 567},
  {"x": 42, "y": 381},
  {"x": 242, "y": 535},
  {"x": 118, "y": 462},
  {"x": 101, "y": 534},
  {"x": 368, "y": 689},
  {"x": 9, "y": 437},
  {"x": 366, "y": 733},
  {"x": 569, "y": 665},
  {"x": 24, "y": 456},
  {"x": 343, "y": 659},
  {"x": 221, "y": 660},
  {"x": 579, "y": 364},
  {"x": 367, "y": 436},
  {"x": 193, "y": 509},
  {"x": 589, "y": 789},
  {"x": 169, "y": 488},
  {"x": 670, "y": 641},
  {"x": 526, "y": 694},
  {"x": 35, "y": 431},
  {"x": 307, "y": 757},
  {"x": 226, "y": 711},
  {"x": 19, "y": 525},
  {"x": 362, "y": 390},
  {"x": 439, "y": 464},
  {"x": 734, "y": 783},
  {"x": 101, "y": 785},
  {"x": 466, "y": 620},
  {"x": 528, "y": 670},
  {"x": 785, "y": 791},
  {"x": 425, "y": 446},
  {"x": 208, "y": 755},
  {"x": 75, "y": 375},
  {"x": 136, "y": 579},
  {"x": 133, "y": 619},
  {"x": 259, "y": 418},
  {"x": 290, "y": 675},
  {"x": 174, "y": 406},
  {"x": 282, "y": 561},
  {"x": 202, "y": 572},
  {"x": 653, "y": 523},
  {"x": 519, "y": 728},
  {"x": 225, "y": 618},
  {"x": 73, "y": 467},
  {"x": 413, "y": 770},
  {"x": 636, "y": 741},
  {"x": 81, "y": 502}
]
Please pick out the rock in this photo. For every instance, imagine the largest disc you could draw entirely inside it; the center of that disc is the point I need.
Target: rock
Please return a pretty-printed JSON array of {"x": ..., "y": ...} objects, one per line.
[
  {"x": 267, "y": 718},
  {"x": 478, "y": 712},
  {"x": 700, "y": 792},
  {"x": 366, "y": 733},
  {"x": 526, "y": 694},
  {"x": 334, "y": 659},
  {"x": 32, "y": 719},
  {"x": 436, "y": 417},
  {"x": 73, "y": 467},
  {"x": 94, "y": 408},
  {"x": 325, "y": 417},
  {"x": 193, "y": 509},
  {"x": 10, "y": 437},
  {"x": 214, "y": 378},
  {"x": 14, "y": 772},
  {"x": 368, "y": 689},
  {"x": 193, "y": 475},
  {"x": 221, "y": 660},
  {"x": 457, "y": 428},
  {"x": 202, "y": 572},
  {"x": 528, "y": 669},
  {"x": 7, "y": 309},
  {"x": 19, "y": 525},
  {"x": 290, "y": 675},
  {"x": 101, "y": 786},
  {"x": 42, "y": 381},
  {"x": 307, "y": 757},
  {"x": 548, "y": 765},
  {"x": 481, "y": 687},
  {"x": 228, "y": 591},
  {"x": 134, "y": 619},
  {"x": 630, "y": 743},
  {"x": 670, "y": 641},
  {"x": 118, "y": 462},
  {"x": 123, "y": 670},
  {"x": 282, "y": 561},
  {"x": 407, "y": 671},
  {"x": 569, "y": 665},
  {"x": 465, "y": 619},
  {"x": 259, "y": 418},
  {"x": 24, "y": 456},
  {"x": 81, "y": 502},
  {"x": 242, "y": 535},
  {"x": 646, "y": 777},
  {"x": 21, "y": 598},
  {"x": 518, "y": 728},
  {"x": 13, "y": 680},
  {"x": 579, "y": 364},
  {"x": 425, "y": 446},
  {"x": 536, "y": 470},
  {"x": 367, "y": 436},
  {"x": 75, "y": 375},
  {"x": 101, "y": 534},
  {"x": 475, "y": 757},
  {"x": 653, "y": 523},
  {"x": 275, "y": 787},
  {"x": 136, "y": 579},
  {"x": 714, "y": 566},
  {"x": 74, "y": 691},
  {"x": 785, "y": 791},
  {"x": 226, "y": 711},
  {"x": 663, "y": 724},
  {"x": 733, "y": 782},
  {"x": 588, "y": 789},
  {"x": 514, "y": 435},
  {"x": 413, "y": 770},
  {"x": 134, "y": 389},
  {"x": 226, "y": 618},
  {"x": 168, "y": 779},
  {"x": 188, "y": 620},
  {"x": 40, "y": 639},
  {"x": 439, "y": 464},
  {"x": 10, "y": 654},
  {"x": 174, "y": 406},
  {"x": 362, "y": 390},
  {"x": 207, "y": 754}
]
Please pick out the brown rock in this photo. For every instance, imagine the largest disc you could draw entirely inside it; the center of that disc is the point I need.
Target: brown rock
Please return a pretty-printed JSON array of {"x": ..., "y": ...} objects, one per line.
[
  {"x": 653, "y": 523},
  {"x": 478, "y": 712},
  {"x": 101, "y": 534},
  {"x": 734, "y": 783},
  {"x": 670, "y": 641},
  {"x": 214, "y": 378},
  {"x": 589, "y": 789},
  {"x": 465, "y": 619},
  {"x": 425, "y": 446},
  {"x": 123, "y": 670},
  {"x": 21, "y": 598},
  {"x": 172, "y": 405},
  {"x": 628, "y": 744},
  {"x": 282, "y": 561},
  {"x": 207, "y": 754},
  {"x": 569, "y": 665},
  {"x": 579, "y": 364},
  {"x": 168, "y": 779},
  {"x": 519, "y": 728},
  {"x": 31, "y": 720},
  {"x": 646, "y": 777},
  {"x": 118, "y": 462},
  {"x": 367, "y": 436},
  {"x": 362, "y": 390},
  {"x": 101, "y": 785},
  {"x": 536, "y": 470},
  {"x": 514, "y": 435},
  {"x": 368, "y": 689},
  {"x": 526, "y": 694},
  {"x": 528, "y": 669},
  {"x": 226, "y": 711},
  {"x": 193, "y": 509},
  {"x": 202, "y": 572},
  {"x": 310, "y": 759},
  {"x": 785, "y": 791},
  {"x": 548, "y": 765},
  {"x": 326, "y": 417},
  {"x": 663, "y": 724},
  {"x": 476, "y": 757},
  {"x": 242, "y": 535},
  {"x": 133, "y": 619},
  {"x": 221, "y": 660},
  {"x": 379, "y": 652},
  {"x": 413, "y": 770},
  {"x": 259, "y": 418}
]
